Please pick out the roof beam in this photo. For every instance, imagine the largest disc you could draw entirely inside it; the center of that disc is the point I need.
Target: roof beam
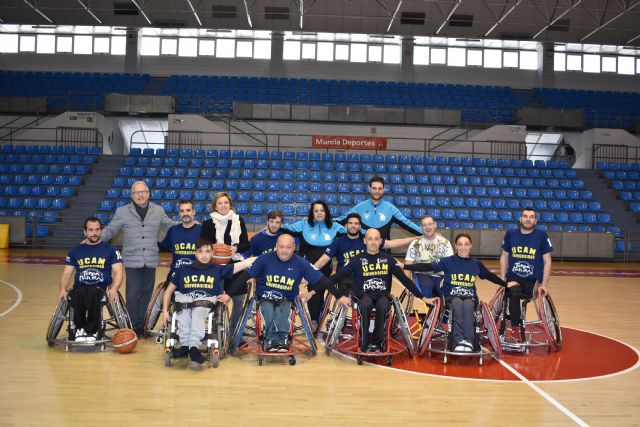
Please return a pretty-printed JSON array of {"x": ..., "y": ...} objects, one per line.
[
  {"x": 604, "y": 24},
  {"x": 246, "y": 11},
  {"x": 193, "y": 10},
  {"x": 504, "y": 16},
  {"x": 32, "y": 5},
  {"x": 85, "y": 6},
  {"x": 557, "y": 18},
  {"x": 451, "y": 12}
]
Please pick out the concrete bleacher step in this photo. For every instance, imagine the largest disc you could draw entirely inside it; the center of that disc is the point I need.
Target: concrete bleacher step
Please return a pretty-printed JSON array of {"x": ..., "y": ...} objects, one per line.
[
  {"x": 68, "y": 232},
  {"x": 616, "y": 207}
]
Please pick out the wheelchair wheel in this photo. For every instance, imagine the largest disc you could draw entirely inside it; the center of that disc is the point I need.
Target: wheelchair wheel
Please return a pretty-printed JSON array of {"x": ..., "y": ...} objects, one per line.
[
  {"x": 215, "y": 358},
  {"x": 325, "y": 313},
  {"x": 119, "y": 313},
  {"x": 550, "y": 321},
  {"x": 155, "y": 309},
  {"x": 305, "y": 321},
  {"x": 222, "y": 329},
  {"x": 492, "y": 332},
  {"x": 406, "y": 301},
  {"x": 57, "y": 320},
  {"x": 496, "y": 303},
  {"x": 242, "y": 325},
  {"x": 402, "y": 325},
  {"x": 428, "y": 327},
  {"x": 335, "y": 330}
]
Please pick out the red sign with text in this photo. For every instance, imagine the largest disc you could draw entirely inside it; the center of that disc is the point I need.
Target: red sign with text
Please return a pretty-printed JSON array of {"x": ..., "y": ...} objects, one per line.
[{"x": 349, "y": 142}]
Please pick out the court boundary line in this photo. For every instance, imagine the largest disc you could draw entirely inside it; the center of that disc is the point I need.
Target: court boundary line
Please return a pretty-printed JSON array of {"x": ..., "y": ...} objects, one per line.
[
  {"x": 544, "y": 394},
  {"x": 15, "y": 304}
]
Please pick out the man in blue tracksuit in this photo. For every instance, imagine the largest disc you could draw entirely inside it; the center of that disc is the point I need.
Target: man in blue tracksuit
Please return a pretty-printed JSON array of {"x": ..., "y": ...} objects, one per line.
[{"x": 380, "y": 214}]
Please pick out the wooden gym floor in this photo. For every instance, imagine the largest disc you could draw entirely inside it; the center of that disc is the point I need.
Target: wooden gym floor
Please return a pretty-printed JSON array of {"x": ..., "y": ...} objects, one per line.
[{"x": 42, "y": 385}]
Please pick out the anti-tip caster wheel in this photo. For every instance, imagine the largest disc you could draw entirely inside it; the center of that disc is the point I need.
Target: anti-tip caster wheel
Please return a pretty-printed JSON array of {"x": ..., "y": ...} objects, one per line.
[
  {"x": 389, "y": 361},
  {"x": 292, "y": 360},
  {"x": 260, "y": 360},
  {"x": 481, "y": 361},
  {"x": 159, "y": 339},
  {"x": 359, "y": 360},
  {"x": 215, "y": 358},
  {"x": 167, "y": 359}
]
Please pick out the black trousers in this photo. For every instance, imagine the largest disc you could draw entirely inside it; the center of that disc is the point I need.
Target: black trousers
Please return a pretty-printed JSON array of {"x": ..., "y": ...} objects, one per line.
[
  {"x": 366, "y": 304},
  {"x": 524, "y": 290},
  {"x": 86, "y": 304},
  {"x": 315, "y": 302}
]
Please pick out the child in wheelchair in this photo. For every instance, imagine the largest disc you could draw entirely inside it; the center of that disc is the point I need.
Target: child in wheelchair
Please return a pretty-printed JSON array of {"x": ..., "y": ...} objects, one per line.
[
  {"x": 197, "y": 288},
  {"x": 460, "y": 274}
]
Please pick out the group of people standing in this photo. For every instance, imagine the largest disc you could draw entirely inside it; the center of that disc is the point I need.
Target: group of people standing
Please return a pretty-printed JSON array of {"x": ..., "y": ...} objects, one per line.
[{"x": 364, "y": 269}]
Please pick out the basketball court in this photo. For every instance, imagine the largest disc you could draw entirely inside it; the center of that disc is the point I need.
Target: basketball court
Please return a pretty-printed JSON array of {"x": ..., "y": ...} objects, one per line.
[{"x": 592, "y": 381}]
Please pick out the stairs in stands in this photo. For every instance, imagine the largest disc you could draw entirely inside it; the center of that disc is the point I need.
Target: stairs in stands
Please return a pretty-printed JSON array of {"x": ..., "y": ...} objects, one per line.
[
  {"x": 617, "y": 208},
  {"x": 155, "y": 86},
  {"x": 528, "y": 98},
  {"x": 68, "y": 232}
]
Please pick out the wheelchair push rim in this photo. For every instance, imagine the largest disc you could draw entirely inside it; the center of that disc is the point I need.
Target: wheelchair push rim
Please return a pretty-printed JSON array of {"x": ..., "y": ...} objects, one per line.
[
  {"x": 550, "y": 321},
  {"x": 429, "y": 325}
]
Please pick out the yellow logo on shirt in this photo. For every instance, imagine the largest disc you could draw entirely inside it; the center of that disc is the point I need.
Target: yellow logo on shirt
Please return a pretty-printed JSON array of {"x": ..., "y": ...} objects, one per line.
[
  {"x": 523, "y": 252},
  {"x": 463, "y": 279},
  {"x": 91, "y": 262},
  {"x": 280, "y": 282},
  {"x": 199, "y": 281}
]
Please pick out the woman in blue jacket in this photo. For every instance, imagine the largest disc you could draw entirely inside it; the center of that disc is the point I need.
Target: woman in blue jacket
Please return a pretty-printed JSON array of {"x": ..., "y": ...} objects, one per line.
[{"x": 316, "y": 233}]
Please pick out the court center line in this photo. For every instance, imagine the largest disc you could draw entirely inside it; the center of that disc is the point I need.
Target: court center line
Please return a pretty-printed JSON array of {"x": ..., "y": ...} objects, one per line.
[
  {"x": 545, "y": 395},
  {"x": 15, "y": 304}
]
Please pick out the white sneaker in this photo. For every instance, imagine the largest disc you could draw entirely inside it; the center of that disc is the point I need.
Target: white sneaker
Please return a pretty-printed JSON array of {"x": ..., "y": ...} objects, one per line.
[
  {"x": 91, "y": 338},
  {"x": 461, "y": 348},
  {"x": 468, "y": 347},
  {"x": 81, "y": 335}
]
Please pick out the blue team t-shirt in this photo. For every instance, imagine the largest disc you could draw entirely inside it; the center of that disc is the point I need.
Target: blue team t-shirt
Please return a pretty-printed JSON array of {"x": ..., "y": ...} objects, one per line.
[
  {"x": 261, "y": 243},
  {"x": 525, "y": 253},
  {"x": 201, "y": 283},
  {"x": 181, "y": 242},
  {"x": 93, "y": 263},
  {"x": 460, "y": 275},
  {"x": 345, "y": 248},
  {"x": 278, "y": 279}
]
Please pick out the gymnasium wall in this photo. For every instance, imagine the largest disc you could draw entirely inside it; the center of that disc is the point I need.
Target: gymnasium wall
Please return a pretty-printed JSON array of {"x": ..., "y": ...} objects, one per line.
[{"x": 166, "y": 65}]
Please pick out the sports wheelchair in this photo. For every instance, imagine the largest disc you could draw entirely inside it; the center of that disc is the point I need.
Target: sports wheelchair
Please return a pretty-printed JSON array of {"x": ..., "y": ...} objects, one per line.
[
  {"x": 152, "y": 315},
  {"x": 396, "y": 329},
  {"x": 215, "y": 341},
  {"x": 436, "y": 336},
  {"x": 117, "y": 317},
  {"x": 250, "y": 325},
  {"x": 545, "y": 331}
]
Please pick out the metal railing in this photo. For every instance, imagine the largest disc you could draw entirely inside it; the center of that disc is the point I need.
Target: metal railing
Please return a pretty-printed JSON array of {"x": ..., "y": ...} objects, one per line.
[
  {"x": 64, "y": 136},
  {"x": 614, "y": 153}
]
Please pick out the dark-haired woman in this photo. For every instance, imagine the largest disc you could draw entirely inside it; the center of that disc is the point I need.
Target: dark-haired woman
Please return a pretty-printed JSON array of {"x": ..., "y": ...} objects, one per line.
[
  {"x": 316, "y": 233},
  {"x": 459, "y": 289}
]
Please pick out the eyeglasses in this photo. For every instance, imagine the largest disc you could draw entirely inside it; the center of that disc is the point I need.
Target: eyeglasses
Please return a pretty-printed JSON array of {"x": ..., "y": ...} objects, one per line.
[{"x": 139, "y": 193}]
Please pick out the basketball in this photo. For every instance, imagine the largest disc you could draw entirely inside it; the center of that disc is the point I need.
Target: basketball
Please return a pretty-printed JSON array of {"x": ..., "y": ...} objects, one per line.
[
  {"x": 124, "y": 341},
  {"x": 221, "y": 254}
]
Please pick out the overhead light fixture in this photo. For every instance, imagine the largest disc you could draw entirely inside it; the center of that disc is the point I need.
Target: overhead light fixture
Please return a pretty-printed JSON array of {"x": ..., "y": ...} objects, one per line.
[
  {"x": 194, "y": 12},
  {"x": 135, "y": 3},
  {"x": 89, "y": 11},
  {"x": 38, "y": 11}
]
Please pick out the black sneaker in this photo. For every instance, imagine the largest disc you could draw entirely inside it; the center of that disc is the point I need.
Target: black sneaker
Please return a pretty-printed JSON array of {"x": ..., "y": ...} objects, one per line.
[
  {"x": 283, "y": 348},
  {"x": 180, "y": 352},
  {"x": 197, "y": 360}
]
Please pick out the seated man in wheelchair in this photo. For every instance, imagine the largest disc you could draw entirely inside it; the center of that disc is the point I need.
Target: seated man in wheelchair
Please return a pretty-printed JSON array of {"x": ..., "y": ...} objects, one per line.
[
  {"x": 278, "y": 275},
  {"x": 96, "y": 265},
  {"x": 372, "y": 272},
  {"x": 460, "y": 274},
  {"x": 197, "y": 287}
]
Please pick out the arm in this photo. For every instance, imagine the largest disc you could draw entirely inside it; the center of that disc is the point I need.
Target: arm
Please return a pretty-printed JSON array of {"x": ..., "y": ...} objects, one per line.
[
  {"x": 116, "y": 281},
  {"x": 421, "y": 266},
  {"x": 165, "y": 221},
  {"x": 546, "y": 273},
  {"x": 504, "y": 264},
  {"x": 242, "y": 265},
  {"x": 65, "y": 281},
  {"x": 494, "y": 279},
  {"x": 166, "y": 298},
  {"x": 116, "y": 224},
  {"x": 405, "y": 222},
  {"x": 326, "y": 284},
  {"x": 294, "y": 228},
  {"x": 398, "y": 243},
  {"x": 406, "y": 282},
  {"x": 237, "y": 284},
  {"x": 322, "y": 261}
]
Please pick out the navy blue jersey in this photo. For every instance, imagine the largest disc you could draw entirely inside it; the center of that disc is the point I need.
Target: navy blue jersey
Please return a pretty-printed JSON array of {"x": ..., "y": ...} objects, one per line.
[
  {"x": 460, "y": 275},
  {"x": 181, "y": 242},
  {"x": 278, "y": 279},
  {"x": 525, "y": 253},
  {"x": 93, "y": 263},
  {"x": 261, "y": 243},
  {"x": 201, "y": 283},
  {"x": 372, "y": 274},
  {"x": 381, "y": 217},
  {"x": 344, "y": 248}
]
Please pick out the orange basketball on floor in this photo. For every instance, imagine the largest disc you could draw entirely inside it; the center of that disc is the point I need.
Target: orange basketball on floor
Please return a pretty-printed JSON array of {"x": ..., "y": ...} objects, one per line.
[
  {"x": 221, "y": 254},
  {"x": 124, "y": 340}
]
